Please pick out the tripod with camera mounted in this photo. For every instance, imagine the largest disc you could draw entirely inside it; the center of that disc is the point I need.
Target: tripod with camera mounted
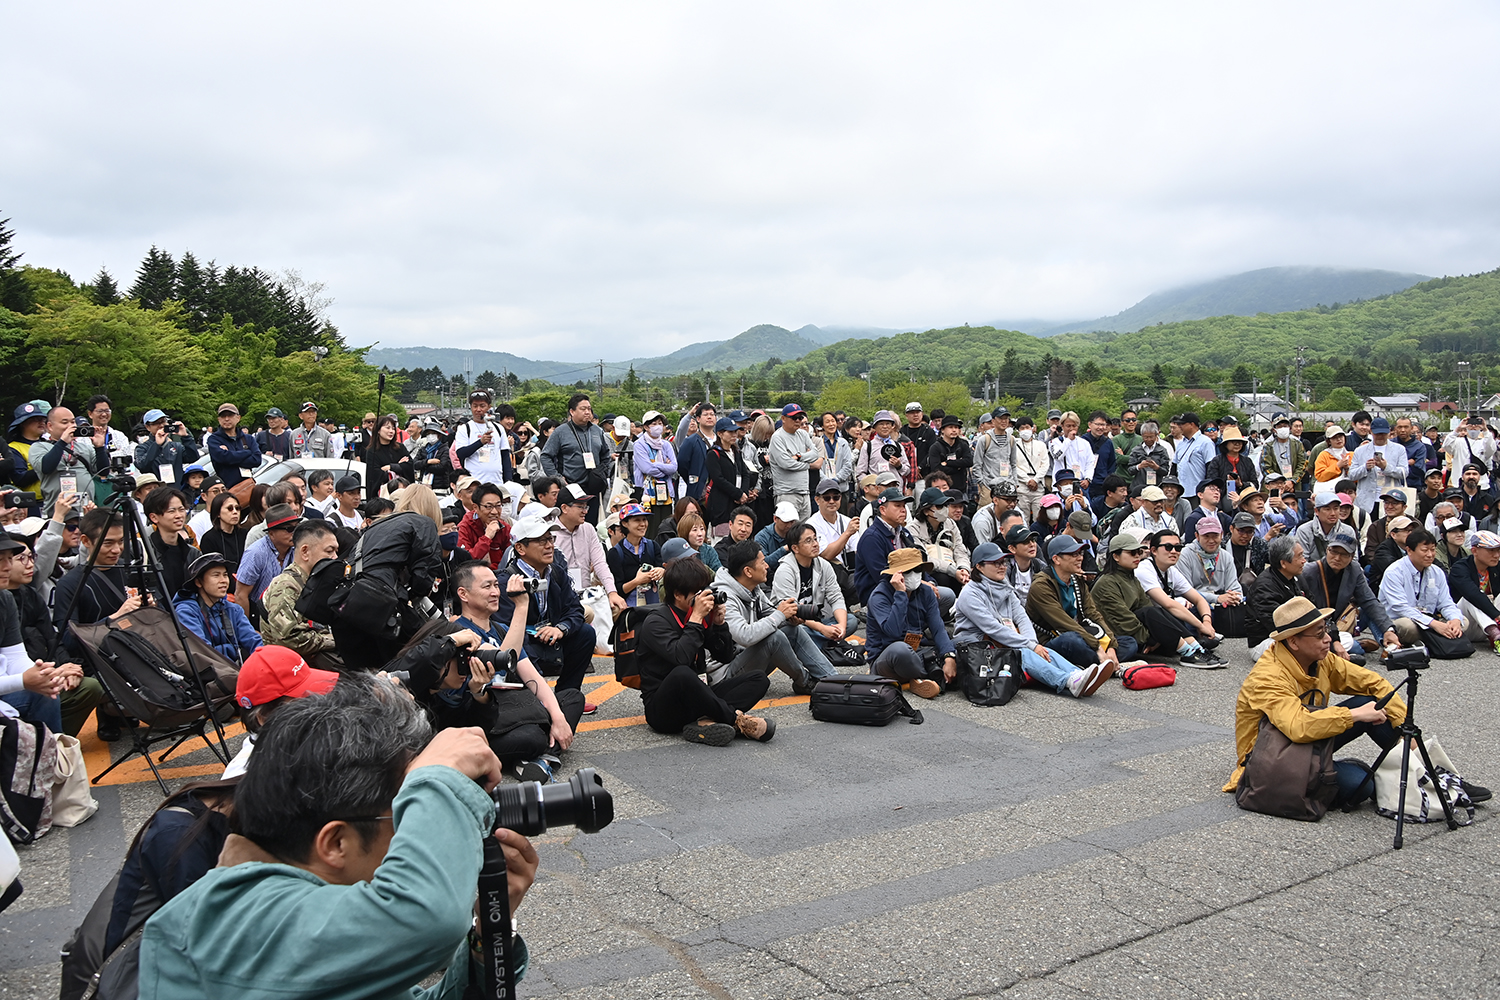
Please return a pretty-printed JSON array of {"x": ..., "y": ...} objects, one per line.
[
  {"x": 145, "y": 575},
  {"x": 1412, "y": 661}
]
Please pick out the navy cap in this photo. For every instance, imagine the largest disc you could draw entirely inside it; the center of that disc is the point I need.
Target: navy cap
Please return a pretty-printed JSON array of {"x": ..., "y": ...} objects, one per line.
[
  {"x": 675, "y": 548},
  {"x": 738, "y": 416},
  {"x": 1020, "y": 533},
  {"x": 894, "y": 495},
  {"x": 725, "y": 424},
  {"x": 1380, "y": 425},
  {"x": 1064, "y": 474},
  {"x": 792, "y": 410},
  {"x": 933, "y": 497},
  {"x": 1061, "y": 545},
  {"x": 1395, "y": 495}
]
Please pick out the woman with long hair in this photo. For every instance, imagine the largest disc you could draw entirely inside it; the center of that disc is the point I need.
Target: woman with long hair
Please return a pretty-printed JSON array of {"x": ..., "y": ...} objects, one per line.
[
  {"x": 693, "y": 530},
  {"x": 228, "y": 533},
  {"x": 253, "y": 511},
  {"x": 386, "y": 457}
]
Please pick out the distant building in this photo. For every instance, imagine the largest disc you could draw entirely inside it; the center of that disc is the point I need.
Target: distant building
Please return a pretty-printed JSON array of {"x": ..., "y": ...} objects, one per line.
[
  {"x": 1260, "y": 406},
  {"x": 1142, "y": 403},
  {"x": 1390, "y": 406}
]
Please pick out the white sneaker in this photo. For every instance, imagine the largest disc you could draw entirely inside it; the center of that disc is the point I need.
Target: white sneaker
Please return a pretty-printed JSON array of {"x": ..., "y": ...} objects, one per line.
[{"x": 1087, "y": 680}]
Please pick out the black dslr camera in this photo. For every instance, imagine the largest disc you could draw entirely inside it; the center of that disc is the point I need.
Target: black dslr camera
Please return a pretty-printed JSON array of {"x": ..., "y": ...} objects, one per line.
[
  {"x": 498, "y": 660},
  {"x": 119, "y": 477},
  {"x": 719, "y": 596}
]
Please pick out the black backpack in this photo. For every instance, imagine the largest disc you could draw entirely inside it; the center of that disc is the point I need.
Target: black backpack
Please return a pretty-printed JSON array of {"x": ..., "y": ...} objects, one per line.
[
  {"x": 147, "y": 669},
  {"x": 860, "y": 700},
  {"x": 623, "y": 639},
  {"x": 328, "y": 580}
]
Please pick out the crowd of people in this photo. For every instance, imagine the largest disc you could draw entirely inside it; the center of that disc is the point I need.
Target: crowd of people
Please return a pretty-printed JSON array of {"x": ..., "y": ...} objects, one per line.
[{"x": 478, "y": 558}]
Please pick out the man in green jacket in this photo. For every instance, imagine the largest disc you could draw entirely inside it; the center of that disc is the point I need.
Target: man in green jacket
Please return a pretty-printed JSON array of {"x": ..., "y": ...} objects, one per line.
[
  {"x": 363, "y": 883},
  {"x": 1129, "y": 612}
]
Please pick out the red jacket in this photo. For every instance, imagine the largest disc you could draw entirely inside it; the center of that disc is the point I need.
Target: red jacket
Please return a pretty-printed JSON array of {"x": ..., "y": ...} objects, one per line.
[{"x": 471, "y": 536}]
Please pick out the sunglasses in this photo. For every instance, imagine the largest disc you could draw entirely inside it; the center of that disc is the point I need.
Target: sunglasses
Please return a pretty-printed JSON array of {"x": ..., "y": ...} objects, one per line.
[
  {"x": 832, "y": 497},
  {"x": 1168, "y": 547},
  {"x": 1136, "y": 552}
]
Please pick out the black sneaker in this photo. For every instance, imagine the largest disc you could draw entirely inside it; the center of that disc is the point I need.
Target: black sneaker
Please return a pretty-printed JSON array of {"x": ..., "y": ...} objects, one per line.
[
  {"x": 714, "y": 734},
  {"x": 535, "y": 770},
  {"x": 1203, "y": 660},
  {"x": 1477, "y": 793}
]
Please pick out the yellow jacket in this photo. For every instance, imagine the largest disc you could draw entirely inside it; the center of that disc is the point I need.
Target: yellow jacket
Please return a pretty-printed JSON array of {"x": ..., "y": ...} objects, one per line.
[{"x": 1278, "y": 688}]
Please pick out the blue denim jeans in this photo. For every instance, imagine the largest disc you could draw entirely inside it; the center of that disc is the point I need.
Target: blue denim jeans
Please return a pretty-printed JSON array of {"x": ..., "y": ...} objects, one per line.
[
  {"x": 1072, "y": 646},
  {"x": 37, "y": 708},
  {"x": 1052, "y": 672}
]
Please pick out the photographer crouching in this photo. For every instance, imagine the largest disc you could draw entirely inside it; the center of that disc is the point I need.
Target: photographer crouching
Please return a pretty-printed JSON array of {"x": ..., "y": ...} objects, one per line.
[{"x": 354, "y": 869}]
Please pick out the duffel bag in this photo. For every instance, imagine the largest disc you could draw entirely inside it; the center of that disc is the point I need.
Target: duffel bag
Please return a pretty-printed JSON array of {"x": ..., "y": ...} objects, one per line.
[{"x": 860, "y": 700}]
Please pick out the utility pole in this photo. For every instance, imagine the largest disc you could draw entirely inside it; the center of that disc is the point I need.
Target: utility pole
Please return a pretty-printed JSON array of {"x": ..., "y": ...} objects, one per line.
[
  {"x": 742, "y": 393},
  {"x": 1047, "y": 379},
  {"x": 1297, "y": 402},
  {"x": 504, "y": 383},
  {"x": 601, "y": 380}
]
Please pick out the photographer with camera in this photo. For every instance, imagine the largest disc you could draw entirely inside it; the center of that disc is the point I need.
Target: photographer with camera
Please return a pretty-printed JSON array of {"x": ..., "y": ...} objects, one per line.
[
  {"x": 169, "y": 446},
  {"x": 360, "y": 885},
  {"x": 673, "y": 646},
  {"x": 1290, "y": 686},
  {"x": 809, "y": 580},
  {"x": 769, "y": 636},
  {"x": 65, "y": 462}
]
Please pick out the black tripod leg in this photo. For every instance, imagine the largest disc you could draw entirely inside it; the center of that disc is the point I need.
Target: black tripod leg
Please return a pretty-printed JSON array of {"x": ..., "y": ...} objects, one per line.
[
  {"x": 1405, "y": 770},
  {"x": 1437, "y": 786}
]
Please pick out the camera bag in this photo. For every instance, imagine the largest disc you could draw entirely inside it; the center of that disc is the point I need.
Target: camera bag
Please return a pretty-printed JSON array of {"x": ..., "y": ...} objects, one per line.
[
  {"x": 1440, "y": 647},
  {"x": 623, "y": 638},
  {"x": 860, "y": 700},
  {"x": 990, "y": 675},
  {"x": 1282, "y": 778}
]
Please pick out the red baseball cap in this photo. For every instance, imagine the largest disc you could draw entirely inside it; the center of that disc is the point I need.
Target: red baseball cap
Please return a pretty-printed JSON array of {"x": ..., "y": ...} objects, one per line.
[{"x": 273, "y": 672}]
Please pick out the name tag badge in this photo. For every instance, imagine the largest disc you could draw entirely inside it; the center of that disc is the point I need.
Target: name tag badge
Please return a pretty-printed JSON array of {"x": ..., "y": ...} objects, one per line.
[
  {"x": 483, "y": 454},
  {"x": 68, "y": 484},
  {"x": 737, "y": 483},
  {"x": 166, "y": 473},
  {"x": 1150, "y": 477},
  {"x": 588, "y": 460}
]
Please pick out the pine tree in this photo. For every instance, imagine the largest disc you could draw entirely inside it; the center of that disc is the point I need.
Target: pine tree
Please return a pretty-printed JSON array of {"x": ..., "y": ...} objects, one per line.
[
  {"x": 15, "y": 293},
  {"x": 195, "y": 289},
  {"x": 156, "y": 281},
  {"x": 632, "y": 385},
  {"x": 104, "y": 290}
]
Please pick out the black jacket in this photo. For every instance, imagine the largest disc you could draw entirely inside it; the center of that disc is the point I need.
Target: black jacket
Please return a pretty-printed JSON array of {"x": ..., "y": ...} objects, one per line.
[
  {"x": 666, "y": 640},
  {"x": 1244, "y": 476},
  {"x": 1265, "y": 594},
  {"x": 402, "y": 550},
  {"x": 955, "y": 459},
  {"x": 1463, "y": 583},
  {"x": 723, "y": 497},
  {"x": 1385, "y": 554}
]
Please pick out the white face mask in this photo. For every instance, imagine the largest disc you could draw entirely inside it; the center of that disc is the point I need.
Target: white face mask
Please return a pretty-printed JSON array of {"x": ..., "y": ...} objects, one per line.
[
  {"x": 1065, "y": 490},
  {"x": 1476, "y": 433},
  {"x": 940, "y": 514},
  {"x": 1053, "y": 513},
  {"x": 1027, "y": 433},
  {"x": 1282, "y": 433},
  {"x": 913, "y": 580},
  {"x": 656, "y": 430}
]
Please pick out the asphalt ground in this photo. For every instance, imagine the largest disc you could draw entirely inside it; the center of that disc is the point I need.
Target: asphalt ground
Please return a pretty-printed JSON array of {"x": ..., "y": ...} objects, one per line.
[{"x": 1049, "y": 848}]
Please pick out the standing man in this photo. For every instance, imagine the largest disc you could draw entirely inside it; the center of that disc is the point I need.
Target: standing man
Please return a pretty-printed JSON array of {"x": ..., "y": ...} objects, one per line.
[
  {"x": 232, "y": 450},
  {"x": 310, "y": 440},
  {"x": 107, "y": 440},
  {"x": 274, "y": 440},
  {"x": 167, "y": 450},
  {"x": 579, "y": 452},
  {"x": 692, "y": 451},
  {"x": 1032, "y": 463},
  {"x": 480, "y": 445},
  {"x": 64, "y": 462},
  {"x": 1470, "y": 444},
  {"x": 992, "y": 455},
  {"x": 917, "y": 431},
  {"x": 1193, "y": 454},
  {"x": 1127, "y": 439},
  {"x": 793, "y": 452},
  {"x": 1097, "y": 438},
  {"x": 1378, "y": 465},
  {"x": 1416, "y": 451},
  {"x": 951, "y": 454}
]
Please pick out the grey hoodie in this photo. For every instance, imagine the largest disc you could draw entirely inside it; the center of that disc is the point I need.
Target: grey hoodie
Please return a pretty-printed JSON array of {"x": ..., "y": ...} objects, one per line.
[
  {"x": 750, "y": 616},
  {"x": 983, "y": 609}
]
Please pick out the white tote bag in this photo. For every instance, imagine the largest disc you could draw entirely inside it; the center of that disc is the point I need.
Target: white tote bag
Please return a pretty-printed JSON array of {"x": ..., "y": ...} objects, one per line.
[
  {"x": 72, "y": 802},
  {"x": 1422, "y": 805}
]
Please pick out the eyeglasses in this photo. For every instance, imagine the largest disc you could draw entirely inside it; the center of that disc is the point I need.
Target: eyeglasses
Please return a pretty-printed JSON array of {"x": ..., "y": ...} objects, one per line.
[
  {"x": 832, "y": 497},
  {"x": 1136, "y": 552},
  {"x": 1168, "y": 547},
  {"x": 491, "y": 506},
  {"x": 25, "y": 557}
]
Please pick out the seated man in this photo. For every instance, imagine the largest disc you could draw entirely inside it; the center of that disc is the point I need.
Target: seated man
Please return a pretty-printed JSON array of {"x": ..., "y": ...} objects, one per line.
[
  {"x": 1313, "y": 536},
  {"x": 1332, "y": 583},
  {"x": 1472, "y": 582},
  {"x": 342, "y": 905},
  {"x": 767, "y": 636},
  {"x": 1392, "y": 549},
  {"x": 265, "y": 558},
  {"x": 989, "y": 611},
  {"x": 741, "y": 529},
  {"x": 312, "y": 542},
  {"x": 808, "y": 579},
  {"x": 938, "y": 535},
  {"x": 104, "y": 595},
  {"x": 886, "y": 533},
  {"x": 1153, "y": 514},
  {"x": 902, "y": 609},
  {"x": 561, "y": 643},
  {"x": 1210, "y": 494},
  {"x": 204, "y": 610},
  {"x": 1129, "y": 612},
  {"x": 1245, "y": 548},
  {"x": 1278, "y": 583},
  {"x": 1415, "y": 594},
  {"x": 1063, "y": 613},
  {"x": 987, "y": 518},
  {"x": 1210, "y": 571},
  {"x": 1165, "y": 585},
  {"x": 464, "y": 692},
  {"x": 772, "y": 538},
  {"x": 1290, "y": 686},
  {"x": 672, "y": 651},
  {"x": 1393, "y": 505}
]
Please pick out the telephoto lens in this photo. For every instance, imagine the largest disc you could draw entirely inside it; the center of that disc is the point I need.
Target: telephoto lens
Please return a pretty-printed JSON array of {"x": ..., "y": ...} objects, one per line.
[
  {"x": 1408, "y": 659},
  {"x": 531, "y": 807},
  {"x": 809, "y": 612},
  {"x": 496, "y": 659}
]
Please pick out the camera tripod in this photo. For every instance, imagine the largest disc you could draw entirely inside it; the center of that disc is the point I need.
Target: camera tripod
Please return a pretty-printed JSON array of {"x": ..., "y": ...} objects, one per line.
[
  {"x": 1409, "y": 731},
  {"x": 141, "y": 571}
]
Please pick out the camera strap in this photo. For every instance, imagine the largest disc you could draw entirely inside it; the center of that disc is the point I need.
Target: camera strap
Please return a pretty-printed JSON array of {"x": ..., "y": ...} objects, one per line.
[{"x": 497, "y": 979}]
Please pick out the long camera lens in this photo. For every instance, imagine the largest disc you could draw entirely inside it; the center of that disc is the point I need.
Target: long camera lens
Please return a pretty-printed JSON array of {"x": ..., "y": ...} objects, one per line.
[{"x": 531, "y": 808}]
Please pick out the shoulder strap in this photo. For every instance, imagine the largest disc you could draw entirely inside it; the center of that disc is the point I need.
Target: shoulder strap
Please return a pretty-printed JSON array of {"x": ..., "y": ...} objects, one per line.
[{"x": 904, "y": 707}]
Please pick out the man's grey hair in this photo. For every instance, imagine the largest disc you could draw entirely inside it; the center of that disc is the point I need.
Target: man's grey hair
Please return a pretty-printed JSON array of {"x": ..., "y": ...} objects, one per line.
[
  {"x": 1151, "y": 426},
  {"x": 1281, "y": 549}
]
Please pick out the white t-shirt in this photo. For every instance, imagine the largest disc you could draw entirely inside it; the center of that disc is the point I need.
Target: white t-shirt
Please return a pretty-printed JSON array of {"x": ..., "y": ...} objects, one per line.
[
  {"x": 1175, "y": 584},
  {"x": 486, "y": 463},
  {"x": 353, "y": 522},
  {"x": 828, "y": 533},
  {"x": 199, "y": 523}
]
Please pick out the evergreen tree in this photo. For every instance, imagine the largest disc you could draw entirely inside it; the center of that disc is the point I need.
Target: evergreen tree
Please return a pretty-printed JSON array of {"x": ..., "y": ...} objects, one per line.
[
  {"x": 104, "y": 290},
  {"x": 195, "y": 288},
  {"x": 632, "y": 385},
  {"x": 15, "y": 293},
  {"x": 155, "y": 281}
]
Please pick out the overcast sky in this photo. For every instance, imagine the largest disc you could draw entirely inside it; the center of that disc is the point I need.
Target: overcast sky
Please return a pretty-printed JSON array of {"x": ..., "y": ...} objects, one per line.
[{"x": 617, "y": 180}]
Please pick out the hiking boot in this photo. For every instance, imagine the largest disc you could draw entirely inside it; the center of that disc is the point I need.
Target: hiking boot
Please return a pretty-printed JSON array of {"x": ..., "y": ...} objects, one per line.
[
  {"x": 925, "y": 688},
  {"x": 1087, "y": 680},
  {"x": 753, "y": 727},
  {"x": 709, "y": 733},
  {"x": 1477, "y": 793}
]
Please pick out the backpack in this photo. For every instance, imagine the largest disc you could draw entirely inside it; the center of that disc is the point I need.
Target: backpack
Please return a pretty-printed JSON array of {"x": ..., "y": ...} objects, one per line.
[
  {"x": 623, "y": 638},
  {"x": 316, "y": 602},
  {"x": 28, "y": 757},
  {"x": 146, "y": 669}
]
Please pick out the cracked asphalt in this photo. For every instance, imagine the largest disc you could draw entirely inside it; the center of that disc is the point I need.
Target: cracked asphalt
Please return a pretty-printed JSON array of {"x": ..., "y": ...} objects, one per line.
[{"x": 1048, "y": 848}]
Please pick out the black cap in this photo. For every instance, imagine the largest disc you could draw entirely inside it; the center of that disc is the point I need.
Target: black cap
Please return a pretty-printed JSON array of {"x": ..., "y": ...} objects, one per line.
[{"x": 347, "y": 484}]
